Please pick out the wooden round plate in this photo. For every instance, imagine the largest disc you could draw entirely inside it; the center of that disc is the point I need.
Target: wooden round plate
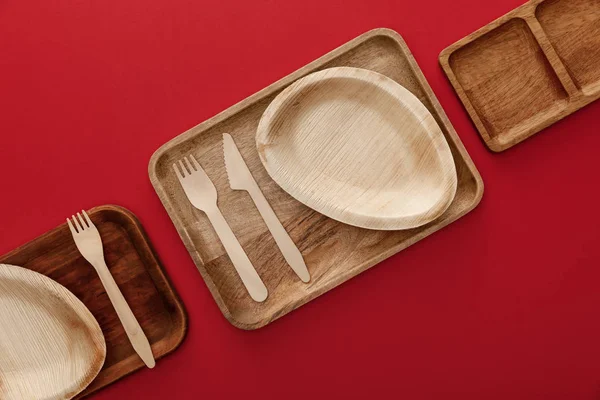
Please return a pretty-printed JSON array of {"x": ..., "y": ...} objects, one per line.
[
  {"x": 358, "y": 147},
  {"x": 51, "y": 346}
]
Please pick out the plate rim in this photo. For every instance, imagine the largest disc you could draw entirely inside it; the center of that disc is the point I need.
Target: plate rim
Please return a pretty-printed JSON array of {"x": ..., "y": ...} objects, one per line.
[
  {"x": 77, "y": 306},
  {"x": 400, "y": 94}
]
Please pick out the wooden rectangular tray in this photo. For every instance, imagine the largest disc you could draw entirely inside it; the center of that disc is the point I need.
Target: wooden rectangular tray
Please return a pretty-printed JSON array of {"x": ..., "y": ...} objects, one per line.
[
  {"x": 334, "y": 252},
  {"x": 136, "y": 270},
  {"x": 527, "y": 69}
]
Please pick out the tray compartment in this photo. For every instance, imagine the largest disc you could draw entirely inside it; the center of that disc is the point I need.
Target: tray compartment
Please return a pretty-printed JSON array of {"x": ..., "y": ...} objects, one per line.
[
  {"x": 573, "y": 28},
  {"x": 138, "y": 274},
  {"x": 544, "y": 56},
  {"x": 508, "y": 79},
  {"x": 334, "y": 252}
]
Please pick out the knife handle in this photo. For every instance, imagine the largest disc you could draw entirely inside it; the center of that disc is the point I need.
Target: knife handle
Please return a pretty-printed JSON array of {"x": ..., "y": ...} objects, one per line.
[
  {"x": 255, "y": 286},
  {"x": 288, "y": 248}
]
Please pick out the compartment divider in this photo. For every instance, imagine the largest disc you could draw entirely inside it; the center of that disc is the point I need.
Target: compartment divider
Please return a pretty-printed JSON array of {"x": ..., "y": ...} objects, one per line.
[{"x": 553, "y": 58}]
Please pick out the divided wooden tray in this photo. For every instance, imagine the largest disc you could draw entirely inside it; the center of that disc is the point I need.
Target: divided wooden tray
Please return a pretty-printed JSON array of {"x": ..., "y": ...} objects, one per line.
[
  {"x": 334, "y": 252},
  {"x": 527, "y": 69},
  {"x": 136, "y": 270}
]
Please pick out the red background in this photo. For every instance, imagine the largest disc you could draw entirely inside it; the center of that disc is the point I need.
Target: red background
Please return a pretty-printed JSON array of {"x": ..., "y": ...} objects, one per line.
[{"x": 502, "y": 304}]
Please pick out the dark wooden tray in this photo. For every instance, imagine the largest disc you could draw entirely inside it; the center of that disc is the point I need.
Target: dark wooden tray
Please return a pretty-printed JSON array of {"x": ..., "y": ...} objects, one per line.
[
  {"x": 334, "y": 252},
  {"x": 528, "y": 69},
  {"x": 136, "y": 270}
]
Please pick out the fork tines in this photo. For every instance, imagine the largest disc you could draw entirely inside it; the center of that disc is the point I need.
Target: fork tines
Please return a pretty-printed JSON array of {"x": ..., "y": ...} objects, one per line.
[
  {"x": 78, "y": 224},
  {"x": 189, "y": 170}
]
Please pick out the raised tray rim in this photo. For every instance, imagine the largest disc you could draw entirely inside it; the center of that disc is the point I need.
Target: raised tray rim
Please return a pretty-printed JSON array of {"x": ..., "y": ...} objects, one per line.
[{"x": 267, "y": 91}]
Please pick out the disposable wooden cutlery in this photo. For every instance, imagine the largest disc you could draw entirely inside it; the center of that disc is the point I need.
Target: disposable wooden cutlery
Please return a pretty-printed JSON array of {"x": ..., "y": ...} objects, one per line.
[
  {"x": 240, "y": 178},
  {"x": 201, "y": 192},
  {"x": 88, "y": 242}
]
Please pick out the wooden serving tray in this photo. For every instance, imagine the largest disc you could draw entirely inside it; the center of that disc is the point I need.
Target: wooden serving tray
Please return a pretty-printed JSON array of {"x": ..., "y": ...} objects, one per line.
[
  {"x": 136, "y": 270},
  {"x": 334, "y": 252},
  {"x": 527, "y": 69}
]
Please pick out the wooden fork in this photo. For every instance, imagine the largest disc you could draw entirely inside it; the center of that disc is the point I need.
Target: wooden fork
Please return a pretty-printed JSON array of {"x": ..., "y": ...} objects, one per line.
[
  {"x": 201, "y": 192},
  {"x": 88, "y": 242}
]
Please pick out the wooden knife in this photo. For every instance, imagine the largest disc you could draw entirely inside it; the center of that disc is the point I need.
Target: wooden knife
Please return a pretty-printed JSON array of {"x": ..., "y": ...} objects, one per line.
[{"x": 240, "y": 178}]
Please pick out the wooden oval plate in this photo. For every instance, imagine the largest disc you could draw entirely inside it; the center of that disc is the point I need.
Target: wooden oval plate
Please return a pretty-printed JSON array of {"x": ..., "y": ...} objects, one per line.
[
  {"x": 51, "y": 346},
  {"x": 358, "y": 147}
]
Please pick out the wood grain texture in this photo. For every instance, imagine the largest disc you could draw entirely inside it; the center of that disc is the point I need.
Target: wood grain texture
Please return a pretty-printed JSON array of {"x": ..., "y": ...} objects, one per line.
[
  {"x": 334, "y": 252},
  {"x": 51, "y": 346},
  {"x": 138, "y": 274},
  {"x": 527, "y": 69},
  {"x": 357, "y": 147}
]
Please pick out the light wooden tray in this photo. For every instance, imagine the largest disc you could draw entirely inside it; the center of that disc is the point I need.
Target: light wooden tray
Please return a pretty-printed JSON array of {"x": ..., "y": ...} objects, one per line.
[
  {"x": 527, "y": 69},
  {"x": 137, "y": 272},
  {"x": 334, "y": 252}
]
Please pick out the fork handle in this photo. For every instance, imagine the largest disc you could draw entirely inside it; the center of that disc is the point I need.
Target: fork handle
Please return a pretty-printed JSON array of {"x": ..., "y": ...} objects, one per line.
[
  {"x": 255, "y": 286},
  {"x": 134, "y": 331}
]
